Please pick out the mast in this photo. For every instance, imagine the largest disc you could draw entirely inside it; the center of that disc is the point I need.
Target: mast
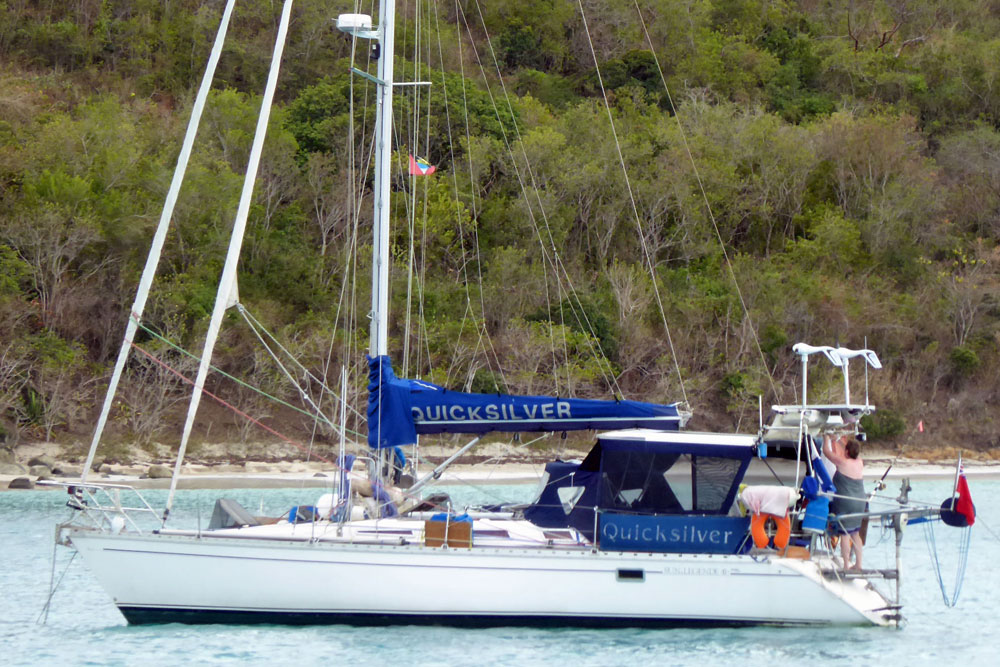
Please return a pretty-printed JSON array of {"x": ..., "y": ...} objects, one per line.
[
  {"x": 383, "y": 160},
  {"x": 360, "y": 25}
]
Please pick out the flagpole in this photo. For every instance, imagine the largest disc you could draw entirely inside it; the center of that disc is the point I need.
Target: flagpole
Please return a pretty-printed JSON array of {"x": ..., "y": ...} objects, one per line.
[{"x": 954, "y": 488}]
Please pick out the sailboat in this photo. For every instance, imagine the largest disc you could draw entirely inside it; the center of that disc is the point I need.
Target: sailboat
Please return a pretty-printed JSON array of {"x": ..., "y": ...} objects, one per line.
[{"x": 647, "y": 529}]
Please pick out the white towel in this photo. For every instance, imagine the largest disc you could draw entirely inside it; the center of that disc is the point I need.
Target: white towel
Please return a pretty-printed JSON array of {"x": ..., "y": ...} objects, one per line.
[{"x": 769, "y": 499}]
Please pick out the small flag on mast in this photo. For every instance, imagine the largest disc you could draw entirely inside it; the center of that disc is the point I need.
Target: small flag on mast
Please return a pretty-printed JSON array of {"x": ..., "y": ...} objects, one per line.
[{"x": 421, "y": 167}]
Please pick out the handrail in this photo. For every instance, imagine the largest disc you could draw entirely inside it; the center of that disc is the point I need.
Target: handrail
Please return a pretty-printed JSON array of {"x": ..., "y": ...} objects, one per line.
[{"x": 103, "y": 499}]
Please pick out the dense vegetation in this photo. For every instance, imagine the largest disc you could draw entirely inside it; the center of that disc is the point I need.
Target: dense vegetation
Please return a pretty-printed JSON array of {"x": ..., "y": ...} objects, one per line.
[{"x": 849, "y": 155}]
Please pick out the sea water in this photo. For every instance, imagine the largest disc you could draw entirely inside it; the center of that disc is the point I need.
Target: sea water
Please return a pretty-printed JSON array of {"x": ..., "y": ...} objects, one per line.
[{"x": 83, "y": 626}]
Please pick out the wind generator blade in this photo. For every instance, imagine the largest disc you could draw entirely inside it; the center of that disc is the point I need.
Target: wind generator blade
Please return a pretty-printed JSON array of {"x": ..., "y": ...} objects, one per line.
[
  {"x": 804, "y": 350},
  {"x": 868, "y": 355}
]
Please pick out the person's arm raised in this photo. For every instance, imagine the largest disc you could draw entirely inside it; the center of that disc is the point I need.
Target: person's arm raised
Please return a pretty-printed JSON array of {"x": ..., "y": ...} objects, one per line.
[{"x": 831, "y": 451}]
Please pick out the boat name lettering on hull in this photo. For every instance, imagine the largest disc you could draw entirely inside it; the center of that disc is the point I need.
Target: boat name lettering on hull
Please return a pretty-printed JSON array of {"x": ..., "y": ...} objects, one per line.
[
  {"x": 681, "y": 534},
  {"x": 702, "y": 571},
  {"x": 687, "y": 534}
]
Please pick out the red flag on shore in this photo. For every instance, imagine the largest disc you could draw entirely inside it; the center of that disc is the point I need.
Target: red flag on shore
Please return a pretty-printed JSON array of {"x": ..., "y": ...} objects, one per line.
[
  {"x": 920, "y": 425},
  {"x": 964, "y": 504}
]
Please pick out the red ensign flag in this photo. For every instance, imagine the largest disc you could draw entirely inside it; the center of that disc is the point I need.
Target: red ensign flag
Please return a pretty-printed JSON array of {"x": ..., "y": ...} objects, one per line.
[{"x": 964, "y": 504}]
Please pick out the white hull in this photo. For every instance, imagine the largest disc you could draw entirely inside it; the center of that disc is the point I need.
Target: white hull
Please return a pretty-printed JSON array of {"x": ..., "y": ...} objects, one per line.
[{"x": 187, "y": 578}]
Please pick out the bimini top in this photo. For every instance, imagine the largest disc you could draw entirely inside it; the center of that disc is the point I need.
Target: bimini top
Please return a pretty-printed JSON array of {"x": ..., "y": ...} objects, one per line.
[{"x": 729, "y": 445}]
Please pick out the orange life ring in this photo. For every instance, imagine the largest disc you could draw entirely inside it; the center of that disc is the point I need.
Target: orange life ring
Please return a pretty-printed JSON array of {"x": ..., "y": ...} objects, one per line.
[{"x": 783, "y": 525}]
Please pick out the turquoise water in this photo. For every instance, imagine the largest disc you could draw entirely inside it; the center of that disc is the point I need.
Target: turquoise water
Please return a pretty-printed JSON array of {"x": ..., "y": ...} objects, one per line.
[{"x": 83, "y": 627}]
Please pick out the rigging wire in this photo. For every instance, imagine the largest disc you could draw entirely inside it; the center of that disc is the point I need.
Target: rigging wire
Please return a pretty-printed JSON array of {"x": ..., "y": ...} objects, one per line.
[
  {"x": 412, "y": 134},
  {"x": 458, "y": 208},
  {"x": 257, "y": 328},
  {"x": 226, "y": 375},
  {"x": 635, "y": 209},
  {"x": 349, "y": 276},
  {"x": 985, "y": 525},
  {"x": 517, "y": 172},
  {"x": 555, "y": 259},
  {"x": 43, "y": 615},
  {"x": 482, "y": 330},
  {"x": 607, "y": 373},
  {"x": 560, "y": 272},
  {"x": 414, "y": 141},
  {"x": 559, "y": 267},
  {"x": 963, "y": 560},
  {"x": 284, "y": 438},
  {"x": 472, "y": 193},
  {"x": 425, "y": 220},
  {"x": 355, "y": 196},
  {"x": 704, "y": 195}
]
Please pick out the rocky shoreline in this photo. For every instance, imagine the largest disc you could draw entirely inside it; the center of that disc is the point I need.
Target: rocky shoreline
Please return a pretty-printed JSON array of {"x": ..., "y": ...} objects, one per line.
[{"x": 267, "y": 466}]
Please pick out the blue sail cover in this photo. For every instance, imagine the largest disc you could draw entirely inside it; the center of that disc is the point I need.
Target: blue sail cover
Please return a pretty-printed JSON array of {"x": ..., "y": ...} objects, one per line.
[{"x": 400, "y": 409}]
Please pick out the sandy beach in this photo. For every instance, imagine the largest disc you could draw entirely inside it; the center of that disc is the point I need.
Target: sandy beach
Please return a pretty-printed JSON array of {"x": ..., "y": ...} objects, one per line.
[{"x": 494, "y": 464}]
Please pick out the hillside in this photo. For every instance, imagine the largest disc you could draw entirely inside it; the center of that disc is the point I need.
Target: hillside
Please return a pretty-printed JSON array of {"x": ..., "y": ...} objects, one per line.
[{"x": 793, "y": 171}]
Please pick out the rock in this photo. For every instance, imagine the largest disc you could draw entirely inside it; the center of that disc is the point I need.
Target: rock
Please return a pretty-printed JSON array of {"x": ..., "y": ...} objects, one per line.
[
  {"x": 7, "y": 456},
  {"x": 38, "y": 470},
  {"x": 97, "y": 463},
  {"x": 159, "y": 472},
  {"x": 20, "y": 483},
  {"x": 105, "y": 468},
  {"x": 66, "y": 471},
  {"x": 12, "y": 469},
  {"x": 319, "y": 474},
  {"x": 43, "y": 460}
]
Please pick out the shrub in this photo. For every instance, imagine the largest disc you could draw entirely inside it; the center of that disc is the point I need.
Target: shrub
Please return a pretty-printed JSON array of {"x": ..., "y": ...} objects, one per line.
[
  {"x": 735, "y": 384},
  {"x": 964, "y": 361},
  {"x": 486, "y": 382},
  {"x": 883, "y": 424}
]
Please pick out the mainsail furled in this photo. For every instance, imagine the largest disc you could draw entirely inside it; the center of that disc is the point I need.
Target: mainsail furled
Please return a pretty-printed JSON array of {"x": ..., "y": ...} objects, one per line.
[{"x": 399, "y": 409}]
